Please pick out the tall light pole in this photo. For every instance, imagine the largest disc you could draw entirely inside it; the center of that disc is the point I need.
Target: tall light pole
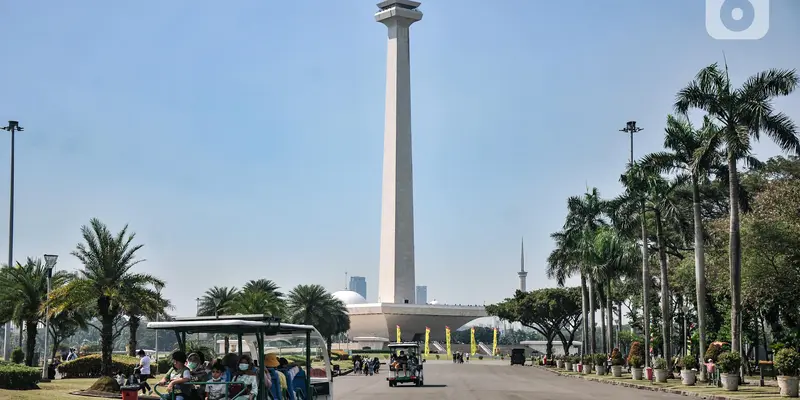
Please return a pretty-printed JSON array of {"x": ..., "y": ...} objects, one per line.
[
  {"x": 216, "y": 315},
  {"x": 13, "y": 126},
  {"x": 197, "y": 313},
  {"x": 158, "y": 290},
  {"x": 49, "y": 264},
  {"x": 631, "y": 128}
]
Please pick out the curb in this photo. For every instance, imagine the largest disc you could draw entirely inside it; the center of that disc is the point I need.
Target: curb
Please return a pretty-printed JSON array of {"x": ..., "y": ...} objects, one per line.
[{"x": 640, "y": 387}]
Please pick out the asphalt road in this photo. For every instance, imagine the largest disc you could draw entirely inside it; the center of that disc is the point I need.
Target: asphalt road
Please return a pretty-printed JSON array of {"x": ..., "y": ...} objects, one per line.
[{"x": 486, "y": 380}]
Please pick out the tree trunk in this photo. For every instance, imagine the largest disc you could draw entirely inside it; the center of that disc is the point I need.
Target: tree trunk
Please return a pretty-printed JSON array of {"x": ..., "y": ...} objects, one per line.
[
  {"x": 133, "y": 327},
  {"x": 106, "y": 335},
  {"x": 645, "y": 288},
  {"x": 735, "y": 255},
  {"x": 666, "y": 323},
  {"x": 592, "y": 341},
  {"x": 603, "y": 333},
  {"x": 30, "y": 341},
  {"x": 699, "y": 266},
  {"x": 619, "y": 322},
  {"x": 584, "y": 315},
  {"x": 610, "y": 316}
]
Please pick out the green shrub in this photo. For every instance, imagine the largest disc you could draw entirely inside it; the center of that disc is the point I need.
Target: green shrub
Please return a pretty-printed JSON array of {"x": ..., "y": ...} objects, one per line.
[
  {"x": 713, "y": 352},
  {"x": 480, "y": 357},
  {"x": 437, "y": 356},
  {"x": 587, "y": 359},
  {"x": 17, "y": 355},
  {"x": 689, "y": 362},
  {"x": 616, "y": 357},
  {"x": 635, "y": 361},
  {"x": 729, "y": 362},
  {"x": 89, "y": 366},
  {"x": 13, "y": 376},
  {"x": 787, "y": 362},
  {"x": 599, "y": 359},
  {"x": 660, "y": 363}
]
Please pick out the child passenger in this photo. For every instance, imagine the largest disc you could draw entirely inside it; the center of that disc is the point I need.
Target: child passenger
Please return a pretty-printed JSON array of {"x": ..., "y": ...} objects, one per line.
[{"x": 216, "y": 391}]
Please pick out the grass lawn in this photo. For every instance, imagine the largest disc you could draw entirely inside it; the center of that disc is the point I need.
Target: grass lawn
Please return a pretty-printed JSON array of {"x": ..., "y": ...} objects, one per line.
[
  {"x": 56, "y": 390},
  {"x": 751, "y": 391}
]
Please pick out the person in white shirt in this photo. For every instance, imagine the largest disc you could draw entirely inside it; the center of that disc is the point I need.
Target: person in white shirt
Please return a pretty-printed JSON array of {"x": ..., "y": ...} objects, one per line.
[{"x": 144, "y": 371}]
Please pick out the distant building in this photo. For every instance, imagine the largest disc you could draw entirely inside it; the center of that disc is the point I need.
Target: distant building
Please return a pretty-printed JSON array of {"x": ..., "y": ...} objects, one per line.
[
  {"x": 358, "y": 284},
  {"x": 422, "y": 295}
]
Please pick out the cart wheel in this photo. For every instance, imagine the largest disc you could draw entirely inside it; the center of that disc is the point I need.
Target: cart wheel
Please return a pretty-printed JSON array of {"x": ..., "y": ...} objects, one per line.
[{"x": 421, "y": 383}]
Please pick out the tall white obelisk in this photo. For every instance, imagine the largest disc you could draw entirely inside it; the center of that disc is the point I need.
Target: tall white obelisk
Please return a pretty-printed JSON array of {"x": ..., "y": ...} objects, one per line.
[
  {"x": 397, "y": 282},
  {"x": 522, "y": 273}
]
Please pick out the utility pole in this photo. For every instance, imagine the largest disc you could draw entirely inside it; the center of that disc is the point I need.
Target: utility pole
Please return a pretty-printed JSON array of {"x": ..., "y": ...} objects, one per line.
[{"x": 13, "y": 126}]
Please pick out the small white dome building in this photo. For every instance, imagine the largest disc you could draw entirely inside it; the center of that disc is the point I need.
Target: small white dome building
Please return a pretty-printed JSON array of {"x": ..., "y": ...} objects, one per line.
[{"x": 349, "y": 297}]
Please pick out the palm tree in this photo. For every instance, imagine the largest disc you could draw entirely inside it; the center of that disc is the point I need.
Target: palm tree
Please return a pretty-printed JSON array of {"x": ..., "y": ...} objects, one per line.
[
  {"x": 142, "y": 302},
  {"x": 688, "y": 154},
  {"x": 313, "y": 305},
  {"x": 107, "y": 283},
  {"x": 219, "y": 301},
  {"x": 658, "y": 193},
  {"x": 743, "y": 114},
  {"x": 260, "y": 296},
  {"x": 24, "y": 292},
  {"x": 585, "y": 215},
  {"x": 263, "y": 285},
  {"x": 564, "y": 262}
]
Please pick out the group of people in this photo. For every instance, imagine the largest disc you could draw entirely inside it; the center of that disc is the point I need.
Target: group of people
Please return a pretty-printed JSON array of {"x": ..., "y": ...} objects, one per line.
[
  {"x": 192, "y": 377},
  {"x": 401, "y": 361},
  {"x": 365, "y": 366},
  {"x": 459, "y": 357}
]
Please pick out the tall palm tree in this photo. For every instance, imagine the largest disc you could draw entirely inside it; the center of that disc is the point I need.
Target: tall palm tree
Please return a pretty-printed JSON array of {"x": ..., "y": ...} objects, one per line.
[
  {"x": 688, "y": 154},
  {"x": 564, "y": 262},
  {"x": 743, "y": 114},
  {"x": 313, "y": 305},
  {"x": 263, "y": 285},
  {"x": 585, "y": 215},
  {"x": 107, "y": 282},
  {"x": 258, "y": 302},
  {"x": 142, "y": 302},
  {"x": 219, "y": 301},
  {"x": 24, "y": 290},
  {"x": 659, "y": 199}
]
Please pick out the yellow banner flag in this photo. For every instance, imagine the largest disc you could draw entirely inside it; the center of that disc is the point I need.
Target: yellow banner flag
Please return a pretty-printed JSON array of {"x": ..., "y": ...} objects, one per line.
[
  {"x": 427, "y": 341},
  {"x": 398, "y": 334},
  {"x": 447, "y": 340},
  {"x": 494, "y": 343},
  {"x": 473, "y": 347}
]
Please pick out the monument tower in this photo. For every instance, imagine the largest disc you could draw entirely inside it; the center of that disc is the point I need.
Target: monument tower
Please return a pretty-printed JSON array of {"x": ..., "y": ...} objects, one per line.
[
  {"x": 397, "y": 280},
  {"x": 522, "y": 273}
]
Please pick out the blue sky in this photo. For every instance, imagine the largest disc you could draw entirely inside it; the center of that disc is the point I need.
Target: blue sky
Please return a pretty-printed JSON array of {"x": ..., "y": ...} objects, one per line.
[{"x": 243, "y": 139}]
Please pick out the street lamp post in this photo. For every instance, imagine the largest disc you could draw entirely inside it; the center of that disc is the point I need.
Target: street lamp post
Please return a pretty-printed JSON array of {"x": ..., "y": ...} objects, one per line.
[
  {"x": 216, "y": 315},
  {"x": 13, "y": 126},
  {"x": 197, "y": 313},
  {"x": 49, "y": 264},
  {"x": 631, "y": 128},
  {"x": 158, "y": 290}
]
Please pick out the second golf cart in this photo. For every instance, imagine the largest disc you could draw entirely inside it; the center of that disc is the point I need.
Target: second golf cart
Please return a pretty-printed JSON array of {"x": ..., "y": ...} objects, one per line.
[{"x": 405, "y": 364}]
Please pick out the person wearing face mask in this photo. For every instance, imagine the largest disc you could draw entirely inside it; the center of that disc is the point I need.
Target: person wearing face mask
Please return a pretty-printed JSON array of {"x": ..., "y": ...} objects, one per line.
[
  {"x": 247, "y": 376},
  {"x": 197, "y": 367}
]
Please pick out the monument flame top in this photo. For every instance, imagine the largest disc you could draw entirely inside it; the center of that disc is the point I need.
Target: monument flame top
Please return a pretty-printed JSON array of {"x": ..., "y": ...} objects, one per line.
[{"x": 407, "y": 4}]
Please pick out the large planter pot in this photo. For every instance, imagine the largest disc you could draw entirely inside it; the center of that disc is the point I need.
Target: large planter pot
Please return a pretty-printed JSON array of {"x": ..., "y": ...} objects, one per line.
[
  {"x": 600, "y": 369},
  {"x": 661, "y": 375},
  {"x": 637, "y": 373},
  {"x": 567, "y": 365},
  {"x": 616, "y": 371},
  {"x": 730, "y": 382},
  {"x": 560, "y": 364},
  {"x": 587, "y": 369},
  {"x": 688, "y": 377},
  {"x": 788, "y": 385}
]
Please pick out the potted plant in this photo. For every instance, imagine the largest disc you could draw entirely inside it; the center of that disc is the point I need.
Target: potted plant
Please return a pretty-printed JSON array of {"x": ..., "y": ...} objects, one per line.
[
  {"x": 660, "y": 370},
  {"x": 787, "y": 362},
  {"x": 599, "y": 360},
  {"x": 616, "y": 363},
  {"x": 568, "y": 363},
  {"x": 560, "y": 362},
  {"x": 636, "y": 363},
  {"x": 586, "y": 361},
  {"x": 729, "y": 364},
  {"x": 689, "y": 370}
]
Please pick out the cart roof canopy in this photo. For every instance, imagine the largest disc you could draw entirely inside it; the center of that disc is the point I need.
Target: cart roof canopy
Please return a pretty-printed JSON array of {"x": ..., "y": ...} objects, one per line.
[
  {"x": 232, "y": 324},
  {"x": 403, "y": 345}
]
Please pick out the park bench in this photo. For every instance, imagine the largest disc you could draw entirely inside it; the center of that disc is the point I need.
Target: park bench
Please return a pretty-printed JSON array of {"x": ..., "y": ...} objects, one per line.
[{"x": 766, "y": 368}]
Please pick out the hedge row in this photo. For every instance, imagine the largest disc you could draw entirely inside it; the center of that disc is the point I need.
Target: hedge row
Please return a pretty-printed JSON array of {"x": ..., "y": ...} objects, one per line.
[
  {"x": 89, "y": 366},
  {"x": 14, "y": 376}
]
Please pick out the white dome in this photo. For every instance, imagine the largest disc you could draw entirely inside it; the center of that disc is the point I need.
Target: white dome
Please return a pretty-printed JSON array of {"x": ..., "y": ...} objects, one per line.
[
  {"x": 434, "y": 302},
  {"x": 349, "y": 297}
]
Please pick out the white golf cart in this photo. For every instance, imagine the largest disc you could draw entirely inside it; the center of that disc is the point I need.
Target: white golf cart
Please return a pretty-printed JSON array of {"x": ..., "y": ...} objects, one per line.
[
  {"x": 406, "y": 364},
  {"x": 305, "y": 346}
]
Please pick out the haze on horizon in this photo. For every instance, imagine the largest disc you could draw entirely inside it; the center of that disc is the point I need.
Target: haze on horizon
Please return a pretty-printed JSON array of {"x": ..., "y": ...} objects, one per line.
[{"x": 243, "y": 142}]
